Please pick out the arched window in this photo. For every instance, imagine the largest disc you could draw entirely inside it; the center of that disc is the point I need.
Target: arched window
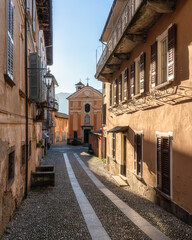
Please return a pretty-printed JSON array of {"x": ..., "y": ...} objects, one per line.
[
  {"x": 87, "y": 119},
  {"x": 87, "y": 107}
]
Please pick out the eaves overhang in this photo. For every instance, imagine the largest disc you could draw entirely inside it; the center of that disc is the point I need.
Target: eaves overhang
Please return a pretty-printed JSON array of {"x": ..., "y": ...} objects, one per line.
[
  {"x": 44, "y": 12},
  {"x": 119, "y": 47}
]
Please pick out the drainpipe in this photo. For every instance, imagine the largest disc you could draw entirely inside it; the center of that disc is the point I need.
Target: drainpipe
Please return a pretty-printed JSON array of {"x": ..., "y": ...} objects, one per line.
[{"x": 26, "y": 104}]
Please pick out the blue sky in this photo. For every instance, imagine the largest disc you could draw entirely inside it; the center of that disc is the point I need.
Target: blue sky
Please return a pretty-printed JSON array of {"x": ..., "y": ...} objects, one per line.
[{"x": 77, "y": 27}]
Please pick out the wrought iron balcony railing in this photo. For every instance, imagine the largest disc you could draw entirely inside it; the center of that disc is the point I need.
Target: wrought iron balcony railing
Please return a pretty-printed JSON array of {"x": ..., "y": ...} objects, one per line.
[{"x": 118, "y": 30}]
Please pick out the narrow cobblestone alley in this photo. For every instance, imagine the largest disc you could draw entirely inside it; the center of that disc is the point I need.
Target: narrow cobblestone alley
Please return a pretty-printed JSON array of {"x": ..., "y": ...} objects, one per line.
[{"x": 60, "y": 212}]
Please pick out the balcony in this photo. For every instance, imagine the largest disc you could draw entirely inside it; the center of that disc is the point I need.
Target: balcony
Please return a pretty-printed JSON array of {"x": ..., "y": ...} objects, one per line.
[
  {"x": 53, "y": 105},
  {"x": 134, "y": 19}
]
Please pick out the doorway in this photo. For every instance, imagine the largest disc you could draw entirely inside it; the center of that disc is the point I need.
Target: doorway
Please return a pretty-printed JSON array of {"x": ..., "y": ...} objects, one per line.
[{"x": 86, "y": 135}]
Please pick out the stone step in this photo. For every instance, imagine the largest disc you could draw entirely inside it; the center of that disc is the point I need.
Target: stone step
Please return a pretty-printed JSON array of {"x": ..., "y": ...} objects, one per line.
[{"x": 120, "y": 182}]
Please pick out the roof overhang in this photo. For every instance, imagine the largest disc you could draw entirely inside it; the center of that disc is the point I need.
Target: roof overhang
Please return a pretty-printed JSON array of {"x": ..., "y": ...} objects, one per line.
[
  {"x": 44, "y": 12},
  {"x": 118, "y": 129}
]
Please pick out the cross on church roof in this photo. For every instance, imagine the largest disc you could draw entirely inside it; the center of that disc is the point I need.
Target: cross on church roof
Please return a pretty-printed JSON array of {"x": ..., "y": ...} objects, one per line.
[{"x": 87, "y": 81}]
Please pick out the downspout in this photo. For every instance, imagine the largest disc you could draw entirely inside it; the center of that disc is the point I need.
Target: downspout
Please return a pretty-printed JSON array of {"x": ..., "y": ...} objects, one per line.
[{"x": 26, "y": 104}]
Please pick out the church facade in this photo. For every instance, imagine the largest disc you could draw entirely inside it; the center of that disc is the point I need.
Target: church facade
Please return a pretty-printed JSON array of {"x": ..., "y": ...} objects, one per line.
[{"x": 85, "y": 113}]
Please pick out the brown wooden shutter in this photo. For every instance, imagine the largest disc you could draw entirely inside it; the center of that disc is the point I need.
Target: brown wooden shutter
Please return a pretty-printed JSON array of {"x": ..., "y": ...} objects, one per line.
[
  {"x": 171, "y": 52},
  {"x": 135, "y": 153},
  {"x": 139, "y": 153},
  {"x": 111, "y": 94},
  {"x": 132, "y": 80},
  {"x": 114, "y": 145},
  {"x": 125, "y": 95},
  {"x": 159, "y": 162},
  {"x": 154, "y": 65},
  {"x": 104, "y": 113},
  {"x": 165, "y": 160},
  {"x": 117, "y": 91},
  {"x": 120, "y": 88},
  {"x": 142, "y": 73}
]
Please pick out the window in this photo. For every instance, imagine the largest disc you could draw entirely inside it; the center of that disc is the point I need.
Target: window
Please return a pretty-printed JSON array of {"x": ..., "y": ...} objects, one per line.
[
  {"x": 104, "y": 88},
  {"x": 10, "y": 39},
  {"x": 23, "y": 154},
  {"x": 104, "y": 113},
  {"x": 34, "y": 16},
  {"x": 137, "y": 81},
  {"x": 75, "y": 134},
  {"x": 11, "y": 166},
  {"x": 163, "y": 57},
  {"x": 87, "y": 107},
  {"x": 138, "y": 155},
  {"x": 111, "y": 87},
  {"x": 163, "y": 162},
  {"x": 120, "y": 88},
  {"x": 115, "y": 92},
  {"x": 87, "y": 119},
  {"x": 113, "y": 145},
  {"x": 125, "y": 88}
]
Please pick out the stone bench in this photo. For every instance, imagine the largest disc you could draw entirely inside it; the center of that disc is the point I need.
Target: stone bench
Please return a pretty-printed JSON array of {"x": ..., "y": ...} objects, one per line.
[{"x": 43, "y": 176}]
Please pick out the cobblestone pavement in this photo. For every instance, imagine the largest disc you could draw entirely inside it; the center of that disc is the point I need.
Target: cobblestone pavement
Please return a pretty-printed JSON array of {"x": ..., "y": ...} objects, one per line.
[{"x": 54, "y": 213}]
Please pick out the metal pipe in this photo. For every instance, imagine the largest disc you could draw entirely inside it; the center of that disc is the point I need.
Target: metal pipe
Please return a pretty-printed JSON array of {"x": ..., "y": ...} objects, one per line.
[{"x": 26, "y": 104}]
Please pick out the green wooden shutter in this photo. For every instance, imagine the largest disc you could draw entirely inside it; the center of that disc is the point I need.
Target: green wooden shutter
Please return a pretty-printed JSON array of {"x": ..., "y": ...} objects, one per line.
[
  {"x": 34, "y": 77},
  {"x": 171, "y": 52},
  {"x": 142, "y": 73},
  {"x": 10, "y": 38},
  {"x": 132, "y": 80},
  {"x": 154, "y": 65}
]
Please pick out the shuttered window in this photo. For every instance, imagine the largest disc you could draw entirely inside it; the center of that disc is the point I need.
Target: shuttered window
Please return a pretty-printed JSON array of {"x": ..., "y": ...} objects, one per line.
[
  {"x": 34, "y": 16},
  {"x": 154, "y": 65},
  {"x": 114, "y": 145},
  {"x": 142, "y": 72},
  {"x": 34, "y": 77},
  {"x": 10, "y": 38},
  {"x": 23, "y": 154},
  {"x": 137, "y": 76},
  {"x": 111, "y": 94},
  {"x": 115, "y": 92},
  {"x": 132, "y": 80},
  {"x": 125, "y": 84},
  {"x": 163, "y": 164},
  {"x": 11, "y": 167},
  {"x": 171, "y": 52},
  {"x": 104, "y": 113},
  {"x": 138, "y": 158},
  {"x": 120, "y": 88}
]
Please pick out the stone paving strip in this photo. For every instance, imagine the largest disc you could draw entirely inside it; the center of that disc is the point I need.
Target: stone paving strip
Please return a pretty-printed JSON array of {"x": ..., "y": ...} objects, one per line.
[
  {"x": 139, "y": 221},
  {"x": 95, "y": 227}
]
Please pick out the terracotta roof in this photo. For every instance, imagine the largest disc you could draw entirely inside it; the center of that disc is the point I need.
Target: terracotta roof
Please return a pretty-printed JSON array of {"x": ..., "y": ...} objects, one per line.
[{"x": 61, "y": 115}]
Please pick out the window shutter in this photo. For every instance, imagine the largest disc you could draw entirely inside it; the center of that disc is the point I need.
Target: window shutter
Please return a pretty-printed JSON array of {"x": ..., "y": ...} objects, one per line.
[
  {"x": 125, "y": 84},
  {"x": 34, "y": 75},
  {"x": 10, "y": 37},
  {"x": 120, "y": 88},
  {"x": 159, "y": 162},
  {"x": 165, "y": 160},
  {"x": 154, "y": 65},
  {"x": 115, "y": 92},
  {"x": 114, "y": 145},
  {"x": 135, "y": 153},
  {"x": 34, "y": 16},
  {"x": 132, "y": 80},
  {"x": 142, "y": 73},
  {"x": 111, "y": 94},
  {"x": 139, "y": 153},
  {"x": 104, "y": 113},
  {"x": 171, "y": 52}
]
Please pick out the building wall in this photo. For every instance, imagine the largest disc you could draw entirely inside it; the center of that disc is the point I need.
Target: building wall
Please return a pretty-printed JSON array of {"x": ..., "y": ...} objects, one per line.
[
  {"x": 61, "y": 130},
  {"x": 95, "y": 141},
  {"x": 12, "y": 116},
  {"x": 167, "y": 117}
]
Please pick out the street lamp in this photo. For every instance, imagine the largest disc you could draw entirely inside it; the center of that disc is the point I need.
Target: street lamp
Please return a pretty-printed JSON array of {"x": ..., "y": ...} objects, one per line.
[{"x": 48, "y": 78}]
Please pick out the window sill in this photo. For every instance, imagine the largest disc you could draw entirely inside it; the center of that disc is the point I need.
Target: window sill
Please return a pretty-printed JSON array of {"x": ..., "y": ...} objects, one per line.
[
  {"x": 8, "y": 80},
  {"x": 161, "y": 85},
  {"x": 162, "y": 193}
]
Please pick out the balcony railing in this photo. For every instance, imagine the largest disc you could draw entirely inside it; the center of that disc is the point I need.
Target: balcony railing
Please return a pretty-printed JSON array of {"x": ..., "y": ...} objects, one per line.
[
  {"x": 54, "y": 105},
  {"x": 125, "y": 18}
]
